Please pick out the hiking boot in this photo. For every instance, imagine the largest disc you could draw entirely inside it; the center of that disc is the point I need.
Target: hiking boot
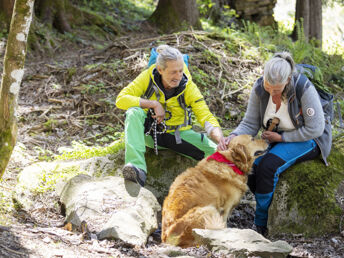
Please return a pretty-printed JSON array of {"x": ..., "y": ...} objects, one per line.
[
  {"x": 263, "y": 230},
  {"x": 134, "y": 174},
  {"x": 157, "y": 235}
]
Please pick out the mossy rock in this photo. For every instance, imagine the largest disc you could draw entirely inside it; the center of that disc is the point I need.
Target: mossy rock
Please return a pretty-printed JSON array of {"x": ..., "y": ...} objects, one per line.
[
  {"x": 308, "y": 197},
  {"x": 44, "y": 177},
  {"x": 163, "y": 169}
]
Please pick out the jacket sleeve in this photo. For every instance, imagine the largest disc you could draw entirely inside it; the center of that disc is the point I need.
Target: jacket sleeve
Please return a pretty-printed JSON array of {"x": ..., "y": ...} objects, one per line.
[
  {"x": 194, "y": 98},
  {"x": 130, "y": 95},
  {"x": 251, "y": 121},
  {"x": 313, "y": 115}
]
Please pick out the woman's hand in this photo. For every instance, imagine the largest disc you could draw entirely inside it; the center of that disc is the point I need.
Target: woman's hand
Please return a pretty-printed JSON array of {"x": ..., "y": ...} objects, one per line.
[
  {"x": 272, "y": 136},
  {"x": 224, "y": 141}
]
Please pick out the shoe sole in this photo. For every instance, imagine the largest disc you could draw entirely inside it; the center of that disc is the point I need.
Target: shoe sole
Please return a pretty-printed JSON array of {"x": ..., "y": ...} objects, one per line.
[{"x": 129, "y": 174}]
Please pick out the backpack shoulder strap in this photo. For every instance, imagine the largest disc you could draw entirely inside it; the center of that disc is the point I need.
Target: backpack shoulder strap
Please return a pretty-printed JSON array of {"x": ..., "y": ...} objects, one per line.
[
  {"x": 301, "y": 84},
  {"x": 150, "y": 90},
  {"x": 181, "y": 101}
]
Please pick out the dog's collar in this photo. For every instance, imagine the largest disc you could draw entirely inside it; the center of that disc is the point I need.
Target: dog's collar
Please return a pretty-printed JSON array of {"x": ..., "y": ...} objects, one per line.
[{"x": 220, "y": 158}]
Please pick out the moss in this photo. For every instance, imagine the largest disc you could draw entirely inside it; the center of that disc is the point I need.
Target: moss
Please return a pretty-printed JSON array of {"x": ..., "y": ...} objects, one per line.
[
  {"x": 6, "y": 206},
  {"x": 211, "y": 57},
  {"x": 7, "y": 142},
  {"x": 81, "y": 151},
  {"x": 49, "y": 179},
  {"x": 311, "y": 192}
]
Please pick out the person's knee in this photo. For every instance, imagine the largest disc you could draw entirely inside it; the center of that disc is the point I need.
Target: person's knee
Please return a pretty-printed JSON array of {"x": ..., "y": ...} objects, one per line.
[
  {"x": 134, "y": 111},
  {"x": 265, "y": 172},
  {"x": 135, "y": 114},
  {"x": 251, "y": 180}
]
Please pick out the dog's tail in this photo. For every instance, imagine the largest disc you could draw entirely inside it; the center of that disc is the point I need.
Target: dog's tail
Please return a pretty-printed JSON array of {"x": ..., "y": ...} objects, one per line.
[
  {"x": 180, "y": 233},
  {"x": 213, "y": 219}
]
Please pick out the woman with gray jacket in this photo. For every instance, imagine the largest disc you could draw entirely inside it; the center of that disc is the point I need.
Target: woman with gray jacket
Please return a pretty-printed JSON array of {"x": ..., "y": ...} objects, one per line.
[{"x": 299, "y": 134}]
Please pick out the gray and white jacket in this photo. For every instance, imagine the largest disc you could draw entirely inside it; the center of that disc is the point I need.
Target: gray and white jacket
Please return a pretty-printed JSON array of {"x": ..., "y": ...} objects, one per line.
[{"x": 307, "y": 116}]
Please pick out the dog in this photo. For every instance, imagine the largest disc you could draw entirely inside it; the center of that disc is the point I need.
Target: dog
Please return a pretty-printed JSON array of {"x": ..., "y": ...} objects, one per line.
[{"x": 205, "y": 195}]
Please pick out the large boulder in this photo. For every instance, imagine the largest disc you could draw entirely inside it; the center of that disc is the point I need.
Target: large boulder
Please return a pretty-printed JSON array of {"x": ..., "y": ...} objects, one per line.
[
  {"x": 111, "y": 207},
  {"x": 234, "y": 242},
  {"x": 43, "y": 177},
  {"x": 92, "y": 191},
  {"x": 40, "y": 177},
  {"x": 163, "y": 169},
  {"x": 309, "y": 197}
]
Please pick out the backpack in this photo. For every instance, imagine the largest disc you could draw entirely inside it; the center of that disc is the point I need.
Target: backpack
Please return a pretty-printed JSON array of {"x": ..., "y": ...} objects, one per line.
[
  {"x": 326, "y": 98},
  {"x": 154, "y": 55}
]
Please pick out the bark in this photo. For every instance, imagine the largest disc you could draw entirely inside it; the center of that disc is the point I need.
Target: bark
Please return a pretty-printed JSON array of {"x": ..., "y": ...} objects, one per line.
[
  {"x": 315, "y": 31},
  {"x": 176, "y": 15},
  {"x": 12, "y": 76},
  {"x": 308, "y": 16},
  {"x": 301, "y": 17},
  {"x": 6, "y": 8}
]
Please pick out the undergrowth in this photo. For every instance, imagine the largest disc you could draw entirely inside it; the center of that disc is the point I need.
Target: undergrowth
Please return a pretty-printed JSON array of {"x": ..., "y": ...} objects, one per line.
[{"x": 255, "y": 42}]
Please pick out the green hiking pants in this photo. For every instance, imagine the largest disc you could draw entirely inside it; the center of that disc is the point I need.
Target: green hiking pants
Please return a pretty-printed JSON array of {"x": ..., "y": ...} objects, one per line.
[{"x": 194, "y": 145}]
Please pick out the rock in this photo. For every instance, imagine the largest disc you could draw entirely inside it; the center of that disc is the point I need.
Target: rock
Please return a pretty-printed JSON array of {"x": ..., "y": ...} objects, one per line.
[
  {"x": 241, "y": 243},
  {"x": 163, "y": 169},
  {"x": 50, "y": 176},
  {"x": 42, "y": 177},
  {"x": 112, "y": 207},
  {"x": 309, "y": 197},
  {"x": 258, "y": 11}
]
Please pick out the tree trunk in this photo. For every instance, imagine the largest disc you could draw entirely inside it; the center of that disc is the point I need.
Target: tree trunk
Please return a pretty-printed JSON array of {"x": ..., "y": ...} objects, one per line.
[
  {"x": 315, "y": 30},
  {"x": 176, "y": 15},
  {"x": 12, "y": 76},
  {"x": 301, "y": 18},
  {"x": 308, "y": 16},
  {"x": 54, "y": 12},
  {"x": 6, "y": 8}
]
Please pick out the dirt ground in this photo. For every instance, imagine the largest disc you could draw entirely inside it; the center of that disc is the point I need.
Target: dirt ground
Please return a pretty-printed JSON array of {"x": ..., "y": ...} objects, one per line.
[{"x": 62, "y": 101}]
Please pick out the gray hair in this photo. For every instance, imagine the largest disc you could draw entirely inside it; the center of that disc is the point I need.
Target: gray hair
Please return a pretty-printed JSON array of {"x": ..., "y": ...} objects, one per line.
[
  {"x": 279, "y": 68},
  {"x": 167, "y": 53}
]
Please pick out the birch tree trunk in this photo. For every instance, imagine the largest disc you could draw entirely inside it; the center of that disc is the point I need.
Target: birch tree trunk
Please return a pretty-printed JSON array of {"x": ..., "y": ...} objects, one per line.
[{"x": 12, "y": 76}]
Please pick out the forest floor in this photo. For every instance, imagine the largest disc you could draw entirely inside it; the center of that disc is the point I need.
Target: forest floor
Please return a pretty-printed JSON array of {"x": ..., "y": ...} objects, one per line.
[{"x": 69, "y": 96}]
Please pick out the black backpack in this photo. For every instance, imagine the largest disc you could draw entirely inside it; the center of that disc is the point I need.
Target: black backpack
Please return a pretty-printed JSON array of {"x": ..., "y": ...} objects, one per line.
[{"x": 308, "y": 72}]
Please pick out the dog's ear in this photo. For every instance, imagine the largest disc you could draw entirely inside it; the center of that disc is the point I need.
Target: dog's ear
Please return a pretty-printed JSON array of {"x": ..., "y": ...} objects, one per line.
[{"x": 239, "y": 153}]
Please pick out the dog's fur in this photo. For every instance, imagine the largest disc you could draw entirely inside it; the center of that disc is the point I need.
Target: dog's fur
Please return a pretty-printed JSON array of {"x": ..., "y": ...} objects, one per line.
[{"x": 204, "y": 196}]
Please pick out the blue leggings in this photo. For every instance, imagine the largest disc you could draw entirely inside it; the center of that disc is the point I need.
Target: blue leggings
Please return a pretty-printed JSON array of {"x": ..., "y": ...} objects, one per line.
[{"x": 267, "y": 168}]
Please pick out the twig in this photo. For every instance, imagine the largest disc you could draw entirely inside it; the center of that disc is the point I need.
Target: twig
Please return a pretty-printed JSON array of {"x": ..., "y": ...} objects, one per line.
[
  {"x": 224, "y": 90},
  {"x": 219, "y": 78},
  {"x": 11, "y": 250},
  {"x": 177, "y": 40},
  {"x": 93, "y": 115},
  {"x": 3, "y": 228},
  {"x": 45, "y": 112},
  {"x": 234, "y": 91}
]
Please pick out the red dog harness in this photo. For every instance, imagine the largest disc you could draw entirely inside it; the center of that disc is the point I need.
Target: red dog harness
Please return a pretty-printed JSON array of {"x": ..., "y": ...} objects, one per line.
[{"x": 220, "y": 158}]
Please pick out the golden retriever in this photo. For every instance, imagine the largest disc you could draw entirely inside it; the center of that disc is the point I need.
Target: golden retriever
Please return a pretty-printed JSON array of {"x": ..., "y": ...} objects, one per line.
[{"x": 205, "y": 195}]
